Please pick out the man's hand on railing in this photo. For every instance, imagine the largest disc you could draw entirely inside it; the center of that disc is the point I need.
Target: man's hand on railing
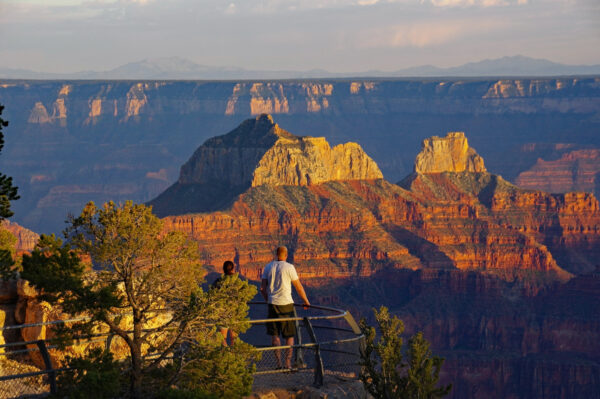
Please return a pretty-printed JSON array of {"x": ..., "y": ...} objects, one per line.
[{"x": 300, "y": 290}]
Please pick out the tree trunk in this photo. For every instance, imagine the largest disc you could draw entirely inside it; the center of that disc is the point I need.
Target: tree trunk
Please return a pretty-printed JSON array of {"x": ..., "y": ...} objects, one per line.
[{"x": 136, "y": 358}]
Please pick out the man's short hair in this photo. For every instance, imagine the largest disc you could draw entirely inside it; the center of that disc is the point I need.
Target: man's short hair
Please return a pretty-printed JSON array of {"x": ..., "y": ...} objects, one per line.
[
  {"x": 282, "y": 252},
  {"x": 228, "y": 267}
]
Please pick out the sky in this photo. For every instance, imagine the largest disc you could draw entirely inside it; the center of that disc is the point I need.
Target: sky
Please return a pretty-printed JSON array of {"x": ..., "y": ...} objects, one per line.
[{"x": 335, "y": 35}]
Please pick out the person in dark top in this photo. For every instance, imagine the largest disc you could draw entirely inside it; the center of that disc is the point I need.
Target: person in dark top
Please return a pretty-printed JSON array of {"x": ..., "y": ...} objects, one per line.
[{"x": 228, "y": 271}]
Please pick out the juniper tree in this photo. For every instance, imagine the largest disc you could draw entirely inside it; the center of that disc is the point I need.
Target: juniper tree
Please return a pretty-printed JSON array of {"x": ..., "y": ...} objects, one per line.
[
  {"x": 143, "y": 286},
  {"x": 8, "y": 192},
  {"x": 386, "y": 374}
]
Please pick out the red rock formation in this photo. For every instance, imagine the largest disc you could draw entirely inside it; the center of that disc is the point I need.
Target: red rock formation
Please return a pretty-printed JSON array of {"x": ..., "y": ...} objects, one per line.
[
  {"x": 489, "y": 263},
  {"x": 26, "y": 239},
  {"x": 466, "y": 220},
  {"x": 575, "y": 171}
]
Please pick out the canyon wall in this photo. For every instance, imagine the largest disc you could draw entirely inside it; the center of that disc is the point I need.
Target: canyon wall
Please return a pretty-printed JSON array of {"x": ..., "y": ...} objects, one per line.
[
  {"x": 259, "y": 153},
  {"x": 345, "y": 226},
  {"x": 575, "y": 170},
  {"x": 503, "y": 281},
  {"x": 69, "y": 142}
]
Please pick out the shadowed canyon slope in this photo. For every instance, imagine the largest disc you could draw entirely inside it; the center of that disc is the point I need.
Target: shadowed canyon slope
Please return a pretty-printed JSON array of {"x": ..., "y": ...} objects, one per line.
[
  {"x": 73, "y": 141},
  {"x": 484, "y": 268}
]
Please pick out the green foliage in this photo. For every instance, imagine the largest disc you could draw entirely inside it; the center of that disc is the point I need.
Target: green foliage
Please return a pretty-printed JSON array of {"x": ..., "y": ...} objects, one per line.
[
  {"x": 8, "y": 266},
  {"x": 208, "y": 366},
  {"x": 8, "y": 192},
  {"x": 386, "y": 374},
  {"x": 144, "y": 288},
  {"x": 224, "y": 371},
  {"x": 95, "y": 376}
]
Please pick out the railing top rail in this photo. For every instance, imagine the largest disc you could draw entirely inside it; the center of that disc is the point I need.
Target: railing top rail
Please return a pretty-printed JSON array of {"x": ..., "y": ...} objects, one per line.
[
  {"x": 338, "y": 313},
  {"x": 46, "y": 323}
]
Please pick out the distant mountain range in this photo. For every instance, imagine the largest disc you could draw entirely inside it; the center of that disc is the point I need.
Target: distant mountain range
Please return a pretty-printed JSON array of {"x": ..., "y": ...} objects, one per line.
[{"x": 179, "y": 68}]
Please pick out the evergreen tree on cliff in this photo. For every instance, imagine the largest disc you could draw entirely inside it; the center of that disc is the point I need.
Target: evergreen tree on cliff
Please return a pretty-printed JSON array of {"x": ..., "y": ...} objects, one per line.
[
  {"x": 144, "y": 289},
  {"x": 8, "y": 192},
  {"x": 386, "y": 374}
]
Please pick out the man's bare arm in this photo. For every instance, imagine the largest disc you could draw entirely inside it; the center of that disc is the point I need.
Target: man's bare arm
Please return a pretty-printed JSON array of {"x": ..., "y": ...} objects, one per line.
[
  {"x": 300, "y": 290},
  {"x": 263, "y": 288}
]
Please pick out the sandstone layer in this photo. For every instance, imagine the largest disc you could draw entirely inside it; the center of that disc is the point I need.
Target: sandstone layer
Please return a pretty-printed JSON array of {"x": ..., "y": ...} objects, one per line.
[
  {"x": 448, "y": 154},
  {"x": 500, "y": 279},
  {"x": 456, "y": 220},
  {"x": 258, "y": 153},
  {"x": 70, "y": 142},
  {"x": 26, "y": 239},
  {"x": 576, "y": 170}
]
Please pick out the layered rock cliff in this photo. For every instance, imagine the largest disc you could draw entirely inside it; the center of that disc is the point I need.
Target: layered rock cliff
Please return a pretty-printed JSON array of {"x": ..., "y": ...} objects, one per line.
[
  {"x": 260, "y": 152},
  {"x": 449, "y": 154},
  {"x": 458, "y": 217},
  {"x": 575, "y": 170},
  {"x": 484, "y": 268},
  {"x": 257, "y": 153},
  {"x": 69, "y": 142},
  {"x": 26, "y": 239}
]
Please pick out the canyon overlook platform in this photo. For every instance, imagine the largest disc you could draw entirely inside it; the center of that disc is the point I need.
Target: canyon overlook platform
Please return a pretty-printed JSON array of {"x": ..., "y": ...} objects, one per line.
[{"x": 327, "y": 344}]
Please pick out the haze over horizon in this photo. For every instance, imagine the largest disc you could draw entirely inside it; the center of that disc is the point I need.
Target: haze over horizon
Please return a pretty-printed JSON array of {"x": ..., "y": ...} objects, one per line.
[{"x": 66, "y": 36}]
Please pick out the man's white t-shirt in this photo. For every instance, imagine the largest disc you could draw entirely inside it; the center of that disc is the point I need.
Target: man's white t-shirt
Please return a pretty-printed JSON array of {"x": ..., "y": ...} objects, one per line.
[{"x": 280, "y": 275}]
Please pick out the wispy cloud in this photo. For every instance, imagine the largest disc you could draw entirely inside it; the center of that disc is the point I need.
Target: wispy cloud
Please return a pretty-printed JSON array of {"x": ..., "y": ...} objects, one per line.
[
  {"x": 425, "y": 34},
  {"x": 59, "y": 35},
  {"x": 473, "y": 3}
]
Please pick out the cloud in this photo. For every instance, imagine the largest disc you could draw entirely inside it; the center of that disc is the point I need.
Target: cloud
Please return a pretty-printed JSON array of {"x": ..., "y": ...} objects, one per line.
[
  {"x": 425, "y": 34},
  {"x": 470, "y": 3},
  {"x": 231, "y": 9}
]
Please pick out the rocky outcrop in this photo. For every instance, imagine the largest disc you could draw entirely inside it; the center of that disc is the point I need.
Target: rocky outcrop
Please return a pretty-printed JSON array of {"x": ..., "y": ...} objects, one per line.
[
  {"x": 26, "y": 308},
  {"x": 260, "y": 152},
  {"x": 26, "y": 239},
  {"x": 576, "y": 170},
  {"x": 448, "y": 154},
  {"x": 451, "y": 220},
  {"x": 257, "y": 153},
  {"x": 566, "y": 225}
]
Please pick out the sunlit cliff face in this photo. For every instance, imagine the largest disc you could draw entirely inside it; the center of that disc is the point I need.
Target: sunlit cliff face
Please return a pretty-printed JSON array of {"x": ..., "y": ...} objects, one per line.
[
  {"x": 70, "y": 142},
  {"x": 333, "y": 209},
  {"x": 449, "y": 154}
]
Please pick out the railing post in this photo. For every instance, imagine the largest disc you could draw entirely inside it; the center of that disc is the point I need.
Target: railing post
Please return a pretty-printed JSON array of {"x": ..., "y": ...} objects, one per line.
[
  {"x": 299, "y": 354},
  {"x": 319, "y": 370},
  {"x": 48, "y": 363},
  {"x": 356, "y": 328}
]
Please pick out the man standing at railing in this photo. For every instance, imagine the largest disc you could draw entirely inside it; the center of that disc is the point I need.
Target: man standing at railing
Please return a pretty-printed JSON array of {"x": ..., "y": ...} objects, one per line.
[{"x": 276, "y": 287}]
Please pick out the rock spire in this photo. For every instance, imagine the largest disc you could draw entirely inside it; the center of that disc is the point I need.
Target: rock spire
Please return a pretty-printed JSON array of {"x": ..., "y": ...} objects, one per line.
[
  {"x": 259, "y": 152},
  {"x": 448, "y": 154}
]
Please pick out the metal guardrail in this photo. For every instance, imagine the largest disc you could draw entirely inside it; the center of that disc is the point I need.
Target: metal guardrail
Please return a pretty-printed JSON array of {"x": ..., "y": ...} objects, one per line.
[{"x": 335, "y": 348}]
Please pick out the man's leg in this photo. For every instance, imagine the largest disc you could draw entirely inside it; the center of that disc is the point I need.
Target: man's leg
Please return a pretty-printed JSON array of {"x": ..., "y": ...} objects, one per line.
[
  {"x": 224, "y": 334},
  {"x": 232, "y": 336},
  {"x": 288, "y": 360},
  {"x": 275, "y": 341}
]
